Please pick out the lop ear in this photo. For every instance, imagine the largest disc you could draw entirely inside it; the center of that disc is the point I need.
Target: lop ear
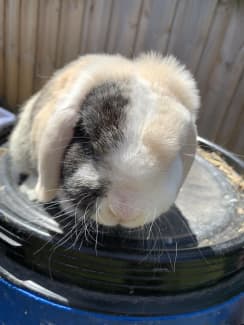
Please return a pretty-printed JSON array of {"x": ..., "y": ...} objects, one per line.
[
  {"x": 161, "y": 138},
  {"x": 188, "y": 150},
  {"x": 171, "y": 132},
  {"x": 58, "y": 134},
  {"x": 58, "y": 120}
]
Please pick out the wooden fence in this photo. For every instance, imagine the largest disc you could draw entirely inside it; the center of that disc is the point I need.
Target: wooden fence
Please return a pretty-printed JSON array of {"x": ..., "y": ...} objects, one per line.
[{"x": 39, "y": 36}]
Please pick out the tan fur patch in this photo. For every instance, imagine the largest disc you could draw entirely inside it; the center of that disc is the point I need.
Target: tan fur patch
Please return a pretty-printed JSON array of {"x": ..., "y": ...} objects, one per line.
[
  {"x": 165, "y": 133},
  {"x": 156, "y": 139},
  {"x": 166, "y": 73}
]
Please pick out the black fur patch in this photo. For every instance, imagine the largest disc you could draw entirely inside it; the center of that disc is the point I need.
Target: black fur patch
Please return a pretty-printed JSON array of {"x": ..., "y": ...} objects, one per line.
[
  {"x": 99, "y": 130},
  {"x": 83, "y": 198},
  {"x": 103, "y": 115}
]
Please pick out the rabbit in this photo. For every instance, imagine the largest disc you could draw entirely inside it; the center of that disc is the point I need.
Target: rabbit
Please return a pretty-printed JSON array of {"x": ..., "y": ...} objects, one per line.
[{"x": 111, "y": 138}]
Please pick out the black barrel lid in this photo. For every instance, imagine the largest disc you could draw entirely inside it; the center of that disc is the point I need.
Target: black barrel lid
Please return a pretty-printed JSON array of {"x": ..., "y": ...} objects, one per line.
[{"x": 198, "y": 243}]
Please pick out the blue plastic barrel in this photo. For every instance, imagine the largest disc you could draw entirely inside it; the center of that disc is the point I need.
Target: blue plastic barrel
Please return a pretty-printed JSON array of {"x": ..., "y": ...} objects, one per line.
[{"x": 18, "y": 306}]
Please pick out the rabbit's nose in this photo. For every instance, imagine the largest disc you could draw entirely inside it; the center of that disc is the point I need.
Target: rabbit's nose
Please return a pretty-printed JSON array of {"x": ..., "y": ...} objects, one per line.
[{"x": 123, "y": 205}]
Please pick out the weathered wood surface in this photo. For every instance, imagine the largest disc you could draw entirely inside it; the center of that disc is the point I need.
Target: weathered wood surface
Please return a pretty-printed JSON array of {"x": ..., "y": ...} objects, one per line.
[
  {"x": 27, "y": 47},
  {"x": 11, "y": 47},
  {"x": 39, "y": 36},
  {"x": 2, "y": 43}
]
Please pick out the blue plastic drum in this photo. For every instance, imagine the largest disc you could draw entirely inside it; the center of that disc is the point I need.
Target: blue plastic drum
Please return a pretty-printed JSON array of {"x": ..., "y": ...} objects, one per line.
[{"x": 19, "y": 306}]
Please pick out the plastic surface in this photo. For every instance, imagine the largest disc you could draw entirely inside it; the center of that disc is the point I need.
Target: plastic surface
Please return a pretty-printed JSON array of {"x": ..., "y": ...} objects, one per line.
[
  {"x": 112, "y": 303},
  {"x": 18, "y": 306},
  {"x": 6, "y": 121}
]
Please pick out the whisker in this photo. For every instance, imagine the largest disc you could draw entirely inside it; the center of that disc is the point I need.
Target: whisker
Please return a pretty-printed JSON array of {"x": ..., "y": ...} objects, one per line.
[{"x": 176, "y": 254}]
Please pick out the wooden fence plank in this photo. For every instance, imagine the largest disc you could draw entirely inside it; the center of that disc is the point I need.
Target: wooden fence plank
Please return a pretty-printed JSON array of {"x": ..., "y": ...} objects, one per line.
[
  {"x": 85, "y": 25},
  {"x": 2, "y": 40},
  {"x": 11, "y": 51},
  {"x": 69, "y": 34},
  {"x": 231, "y": 134},
  {"x": 97, "y": 29},
  {"x": 236, "y": 133},
  {"x": 28, "y": 29},
  {"x": 234, "y": 78},
  {"x": 225, "y": 77},
  {"x": 123, "y": 26},
  {"x": 46, "y": 40},
  {"x": 155, "y": 25},
  {"x": 210, "y": 54},
  {"x": 190, "y": 30},
  {"x": 237, "y": 144}
]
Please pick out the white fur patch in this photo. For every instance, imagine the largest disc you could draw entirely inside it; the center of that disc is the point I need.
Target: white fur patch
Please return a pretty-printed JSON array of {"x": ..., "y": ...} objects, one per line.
[
  {"x": 133, "y": 159},
  {"x": 153, "y": 187},
  {"x": 88, "y": 174}
]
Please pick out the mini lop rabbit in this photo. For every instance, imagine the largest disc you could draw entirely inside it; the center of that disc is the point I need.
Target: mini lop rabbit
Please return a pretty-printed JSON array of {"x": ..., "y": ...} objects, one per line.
[{"x": 111, "y": 138}]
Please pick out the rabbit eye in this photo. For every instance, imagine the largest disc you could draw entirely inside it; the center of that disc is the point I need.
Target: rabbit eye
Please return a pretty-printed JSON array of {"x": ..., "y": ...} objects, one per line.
[{"x": 82, "y": 138}]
